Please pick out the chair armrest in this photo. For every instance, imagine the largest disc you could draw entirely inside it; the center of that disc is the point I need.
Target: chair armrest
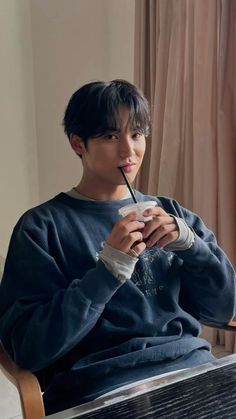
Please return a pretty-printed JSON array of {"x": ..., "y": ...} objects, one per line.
[
  {"x": 229, "y": 326},
  {"x": 27, "y": 385},
  {"x": 232, "y": 323}
]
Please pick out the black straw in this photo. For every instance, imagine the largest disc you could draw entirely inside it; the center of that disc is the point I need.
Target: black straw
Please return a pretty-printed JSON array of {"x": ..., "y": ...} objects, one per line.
[{"x": 128, "y": 185}]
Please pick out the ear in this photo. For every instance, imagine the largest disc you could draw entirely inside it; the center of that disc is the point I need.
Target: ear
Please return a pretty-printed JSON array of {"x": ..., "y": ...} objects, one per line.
[{"x": 77, "y": 144}]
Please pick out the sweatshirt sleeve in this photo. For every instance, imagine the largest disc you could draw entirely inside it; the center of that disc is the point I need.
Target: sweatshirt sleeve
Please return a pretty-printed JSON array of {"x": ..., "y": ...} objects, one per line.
[
  {"x": 207, "y": 277},
  {"x": 43, "y": 314}
]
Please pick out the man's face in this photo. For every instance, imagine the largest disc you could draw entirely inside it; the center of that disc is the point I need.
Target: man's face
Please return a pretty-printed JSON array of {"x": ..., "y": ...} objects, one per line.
[{"x": 122, "y": 148}]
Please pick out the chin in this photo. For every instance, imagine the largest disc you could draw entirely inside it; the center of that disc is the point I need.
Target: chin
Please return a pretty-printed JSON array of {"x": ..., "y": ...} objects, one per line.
[{"x": 132, "y": 178}]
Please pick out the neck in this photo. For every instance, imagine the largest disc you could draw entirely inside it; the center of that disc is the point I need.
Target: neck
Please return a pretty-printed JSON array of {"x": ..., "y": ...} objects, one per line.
[{"x": 111, "y": 193}]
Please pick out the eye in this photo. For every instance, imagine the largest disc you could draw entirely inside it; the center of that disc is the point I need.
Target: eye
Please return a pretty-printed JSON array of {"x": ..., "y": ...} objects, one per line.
[
  {"x": 137, "y": 135},
  {"x": 110, "y": 136}
]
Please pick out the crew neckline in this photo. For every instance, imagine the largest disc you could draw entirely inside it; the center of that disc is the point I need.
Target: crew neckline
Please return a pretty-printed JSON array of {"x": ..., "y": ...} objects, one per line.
[
  {"x": 66, "y": 199},
  {"x": 91, "y": 205},
  {"x": 73, "y": 193}
]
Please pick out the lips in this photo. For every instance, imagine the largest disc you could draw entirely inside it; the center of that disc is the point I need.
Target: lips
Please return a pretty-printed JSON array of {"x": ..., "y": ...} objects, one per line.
[{"x": 127, "y": 168}]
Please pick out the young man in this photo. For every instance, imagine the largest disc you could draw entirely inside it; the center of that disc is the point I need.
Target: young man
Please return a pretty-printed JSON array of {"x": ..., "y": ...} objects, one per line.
[{"x": 91, "y": 301}]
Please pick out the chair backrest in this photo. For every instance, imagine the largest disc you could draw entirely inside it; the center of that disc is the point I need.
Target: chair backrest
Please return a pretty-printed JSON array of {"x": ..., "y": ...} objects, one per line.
[{"x": 27, "y": 385}]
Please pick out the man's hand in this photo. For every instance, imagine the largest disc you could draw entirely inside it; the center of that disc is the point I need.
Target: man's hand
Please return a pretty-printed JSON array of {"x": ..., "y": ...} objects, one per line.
[
  {"x": 126, "y": 235},
  {"x": 161, "y": 230}
]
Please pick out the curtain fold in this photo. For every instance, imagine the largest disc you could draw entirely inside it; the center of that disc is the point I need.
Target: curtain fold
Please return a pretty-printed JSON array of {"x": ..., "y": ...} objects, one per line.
[{"x": 185, "y": 62}]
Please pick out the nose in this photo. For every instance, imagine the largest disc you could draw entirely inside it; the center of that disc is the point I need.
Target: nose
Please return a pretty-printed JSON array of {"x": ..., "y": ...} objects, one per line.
[{"x": 126, "y": 146}]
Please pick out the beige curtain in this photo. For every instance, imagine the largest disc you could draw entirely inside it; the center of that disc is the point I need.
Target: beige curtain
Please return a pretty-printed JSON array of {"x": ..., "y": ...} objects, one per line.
[{"x": 185, "y": 62}]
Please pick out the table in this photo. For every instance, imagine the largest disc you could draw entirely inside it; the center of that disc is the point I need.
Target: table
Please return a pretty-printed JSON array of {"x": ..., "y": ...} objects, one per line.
[{"x": 207, "y": 391}]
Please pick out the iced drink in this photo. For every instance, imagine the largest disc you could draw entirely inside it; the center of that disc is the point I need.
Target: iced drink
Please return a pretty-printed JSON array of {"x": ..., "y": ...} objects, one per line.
[{"x": 139, "y": 207}]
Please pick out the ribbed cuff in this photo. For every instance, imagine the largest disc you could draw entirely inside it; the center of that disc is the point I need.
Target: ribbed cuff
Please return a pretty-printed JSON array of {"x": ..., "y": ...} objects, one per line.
[
  {"x": 185, "y": 239},
  {"x": 118, "y": 263}
]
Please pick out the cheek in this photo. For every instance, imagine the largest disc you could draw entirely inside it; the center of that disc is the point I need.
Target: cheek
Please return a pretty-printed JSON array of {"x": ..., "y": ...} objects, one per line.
[
  {"x": 141, "y": 150},
  {"x": 100, "y": 159}
]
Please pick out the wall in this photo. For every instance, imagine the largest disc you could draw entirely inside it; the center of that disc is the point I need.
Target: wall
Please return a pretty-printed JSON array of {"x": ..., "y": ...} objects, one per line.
[
  {"x": 18, "y": 159},
  {"x": 120, "y": 34},
  {"x": 48, "y": 49},
  {"x": 74, "y": 42}
]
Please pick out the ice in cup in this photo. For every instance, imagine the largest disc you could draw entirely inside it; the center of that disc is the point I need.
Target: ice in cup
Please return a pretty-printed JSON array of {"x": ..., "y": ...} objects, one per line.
[{"x": 139, "y": 207}]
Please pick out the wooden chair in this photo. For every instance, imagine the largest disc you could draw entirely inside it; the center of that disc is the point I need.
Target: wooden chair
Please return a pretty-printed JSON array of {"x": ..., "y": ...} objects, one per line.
[{"x": 28, "y": 386}]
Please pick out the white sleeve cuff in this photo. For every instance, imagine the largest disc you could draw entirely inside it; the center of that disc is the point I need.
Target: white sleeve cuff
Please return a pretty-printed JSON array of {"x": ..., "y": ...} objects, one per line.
[
  {"x": 185, "y": 239},
  {"x": 118, "y": 263}
]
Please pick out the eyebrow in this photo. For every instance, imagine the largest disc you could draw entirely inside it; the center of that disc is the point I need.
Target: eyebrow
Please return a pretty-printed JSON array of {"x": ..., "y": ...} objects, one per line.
[{"x": 113, "y": 129}]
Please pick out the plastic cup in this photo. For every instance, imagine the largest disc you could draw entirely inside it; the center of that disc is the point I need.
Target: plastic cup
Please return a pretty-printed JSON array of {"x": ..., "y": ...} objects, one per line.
[{"x": 139, "y": 207}]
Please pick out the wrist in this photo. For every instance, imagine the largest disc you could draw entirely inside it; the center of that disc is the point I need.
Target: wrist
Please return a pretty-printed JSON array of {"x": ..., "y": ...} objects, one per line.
[
  {"x": 119, "y": 263},
  {"x": 185, "y": 238}
]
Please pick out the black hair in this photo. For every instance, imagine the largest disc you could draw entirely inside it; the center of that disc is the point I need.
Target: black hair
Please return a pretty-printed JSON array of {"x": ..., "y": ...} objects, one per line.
[{"x": 93, "y": 110}]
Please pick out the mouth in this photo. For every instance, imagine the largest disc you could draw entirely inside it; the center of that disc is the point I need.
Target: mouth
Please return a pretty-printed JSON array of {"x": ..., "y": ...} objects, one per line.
[{"x": 127, "y": 168}]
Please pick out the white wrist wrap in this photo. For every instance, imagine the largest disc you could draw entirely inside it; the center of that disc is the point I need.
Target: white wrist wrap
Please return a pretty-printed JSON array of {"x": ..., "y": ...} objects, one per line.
[
  {"x": 185, "y": 239},
  {"x": 118, "y": 263}
]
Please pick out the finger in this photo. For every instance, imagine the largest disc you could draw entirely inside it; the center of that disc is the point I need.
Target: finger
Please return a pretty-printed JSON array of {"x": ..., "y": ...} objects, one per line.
[
  {"x": 161, "y": 232},
  {"x": 155, "y": 211},
  {"x": 130, "y": 239},
  {"x": 131, "y": 218},
  {"x": 139, "y": 248},
  {"x": 168, "y": 239},
  {"x": 155, "y": 224},
  {"x": 134, "y": 226},
  {"x": 123, "y": 231}
]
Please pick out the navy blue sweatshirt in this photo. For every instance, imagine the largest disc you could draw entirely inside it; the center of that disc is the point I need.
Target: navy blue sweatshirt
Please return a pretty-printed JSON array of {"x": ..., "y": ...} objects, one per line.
[{"x": 64, "y": 316}]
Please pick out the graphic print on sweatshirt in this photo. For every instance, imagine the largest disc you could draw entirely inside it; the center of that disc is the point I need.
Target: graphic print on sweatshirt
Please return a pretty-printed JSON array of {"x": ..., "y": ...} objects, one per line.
[{"x": 150, "y": 270}]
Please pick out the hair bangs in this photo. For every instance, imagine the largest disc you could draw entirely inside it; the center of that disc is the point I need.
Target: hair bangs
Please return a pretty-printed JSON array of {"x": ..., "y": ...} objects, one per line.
[
  {"x": 93, "y": 110},
  {"x": 110, "y": 103}
]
